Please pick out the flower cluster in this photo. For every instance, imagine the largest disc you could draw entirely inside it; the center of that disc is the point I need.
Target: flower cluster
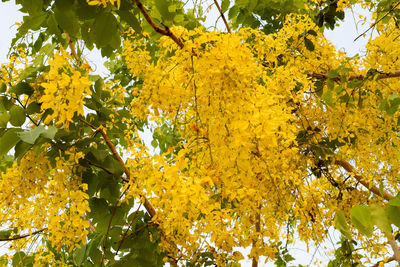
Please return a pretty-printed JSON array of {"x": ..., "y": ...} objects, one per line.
[{"x": 65, "y": 88}]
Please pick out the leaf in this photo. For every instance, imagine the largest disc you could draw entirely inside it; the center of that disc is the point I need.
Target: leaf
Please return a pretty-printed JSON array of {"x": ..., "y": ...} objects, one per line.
[
  {"x": 18, "y": 259},
  {"x": 341, "y": 224},
  {"x": 32, "y": 108},
  {"x": 22, "y": 88},
  {"x": 49, "y": 133},
  {"x": 332, "y": 74},
  {"x": 17, "y": 115},
  {"x": 79, "y": 255},
  {"x": 105, "y": 26},
  {"x": 380, "y": 218},
  {"x": 114, "y": 166},
  {"x": 154, "y": 143},
  {"x": 131, "y": 19},
  {"x": 361, "y": 218},
  {"x": 395, "y": 201},
  {"x": 312, "y": 32},
  {"x": 328, "y": 98},
  {"x": 67, "y": 20},
  {"x": 394, "y": 214},
  {"x": 9, "y": 140},
  {"x": 31, "y": 136},
  {"x": 225, "y": 5},
  {"x": 20, "y": 149},
  {"x": 4, "y": 118},
  {"x": 309, "y": 44},
  {"x": 99, "y": 154}
]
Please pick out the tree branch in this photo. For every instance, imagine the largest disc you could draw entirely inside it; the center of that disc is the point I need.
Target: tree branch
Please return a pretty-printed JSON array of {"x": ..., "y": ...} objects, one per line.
[
  {"x": 109, "y": 226},
  {"x": 166, "y": 31},
  {"x": 379, "y": 20},
  {"x": 396, "y": 250},
  {"x": 383, "y": 75},
  {"x": 372, "y": 188},
  {"x": 96, "y": 165},
  {"x": 72, "y": 47},
  {"x": 23, "y": 236},
  {"x": 222, "y": 16},
  {"x": 379, "y": 262}
]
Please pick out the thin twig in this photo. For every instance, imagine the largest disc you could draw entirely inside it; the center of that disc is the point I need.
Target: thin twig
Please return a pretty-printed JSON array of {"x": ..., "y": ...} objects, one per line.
[
  {"x": 384, "y": 261},
  {"x": 345, "y": 165},
  {"x": 22, "y": 236},
  {"x": 111, "y": 146},
  {"x": 222, "y": 16},
  {"x": 138, "y": 230},
  {"x": 97, "y": 165},
  {"x": 109, "y": 226},
  {"x": 166, "y": 31},
  {"x": 126, "y": 232},
  {"x": 379, "y": 20},
  {"x": 72, "y": 47}
]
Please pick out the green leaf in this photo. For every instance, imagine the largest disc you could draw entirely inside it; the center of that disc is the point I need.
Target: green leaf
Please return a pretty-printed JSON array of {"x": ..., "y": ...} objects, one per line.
[
  {"x": 361, "y": 218},
  {"x": 114, "y": 166},
  {"x": 22, "y": 88},
  {"x": 309, "y": 44},
  {"x": 225, "y": 5},
  {"x": 31, "y": 136},
  {"x": 154, "y": 143},
  {"x": 67, "y": 20},
  {"x": 4, "y": 118},
  {"x": 104, "y": 28},
  {"x": 49, "y": 133},
  {"x": 332, "y": 74},
  {"x": 380, "y": 218},
  {"x": 3, "y": 88},
  {"x": 32, "y": 108},
  {"x": 99, "y": 154},
  {"x": 341, "y": 224},
  {"x": 131, "y": 19},
  {"x": 9, "y": 140},
  {"x": 20, "y": 149},
  {"x": 395, "y": 201},
  {"x": 394, "y": 214},
  {"x": 328, "y": 98},
  {"x": 5, "y": 233},
  {"x": 17, "y": 115},
  {"x": 312, "y": 32},
  {"x": 79, "y": 255}
]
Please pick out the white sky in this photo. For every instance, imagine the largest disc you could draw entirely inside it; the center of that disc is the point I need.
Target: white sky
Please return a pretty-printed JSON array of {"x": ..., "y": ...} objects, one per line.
[{"x": 342, "y": 38}]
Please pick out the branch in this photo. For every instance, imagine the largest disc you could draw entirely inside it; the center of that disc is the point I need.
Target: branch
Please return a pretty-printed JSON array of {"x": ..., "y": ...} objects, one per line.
[
  {"x": 96, "y": 165},
  {"x": 345, "y": 165},
  {"x": 22, "y": 236},
  {"x": 383, "y": 75},
  {"x": 222, "y": 16},
  {"x": 136, "y": 231},
  {"x": 396, "y": 250},
  {"x": 72, "y": 47},
  {"x": 146, "y": 203},
  {"x": 109, "y": 226},
  {"x": 383, "y": 261},
  {"x": 379, "y": 20},
  {"x": 112, "y": 148},
  {"x": 166, "y": 31}
]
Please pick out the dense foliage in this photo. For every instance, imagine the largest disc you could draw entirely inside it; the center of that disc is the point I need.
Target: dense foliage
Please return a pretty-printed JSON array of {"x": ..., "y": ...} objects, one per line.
[{"x": 263, "y": 134}]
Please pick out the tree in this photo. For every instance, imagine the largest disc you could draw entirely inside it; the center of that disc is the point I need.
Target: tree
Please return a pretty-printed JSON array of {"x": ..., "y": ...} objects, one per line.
[{"x": 265, "y": 133}]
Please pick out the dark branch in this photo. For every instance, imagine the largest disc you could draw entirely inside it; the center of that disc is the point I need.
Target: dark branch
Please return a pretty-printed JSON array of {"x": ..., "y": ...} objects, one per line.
[
  {"x": 23, "y": 236},
  {"x": 164, "y": 31},
  {"x": 222, "y": 16}
]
